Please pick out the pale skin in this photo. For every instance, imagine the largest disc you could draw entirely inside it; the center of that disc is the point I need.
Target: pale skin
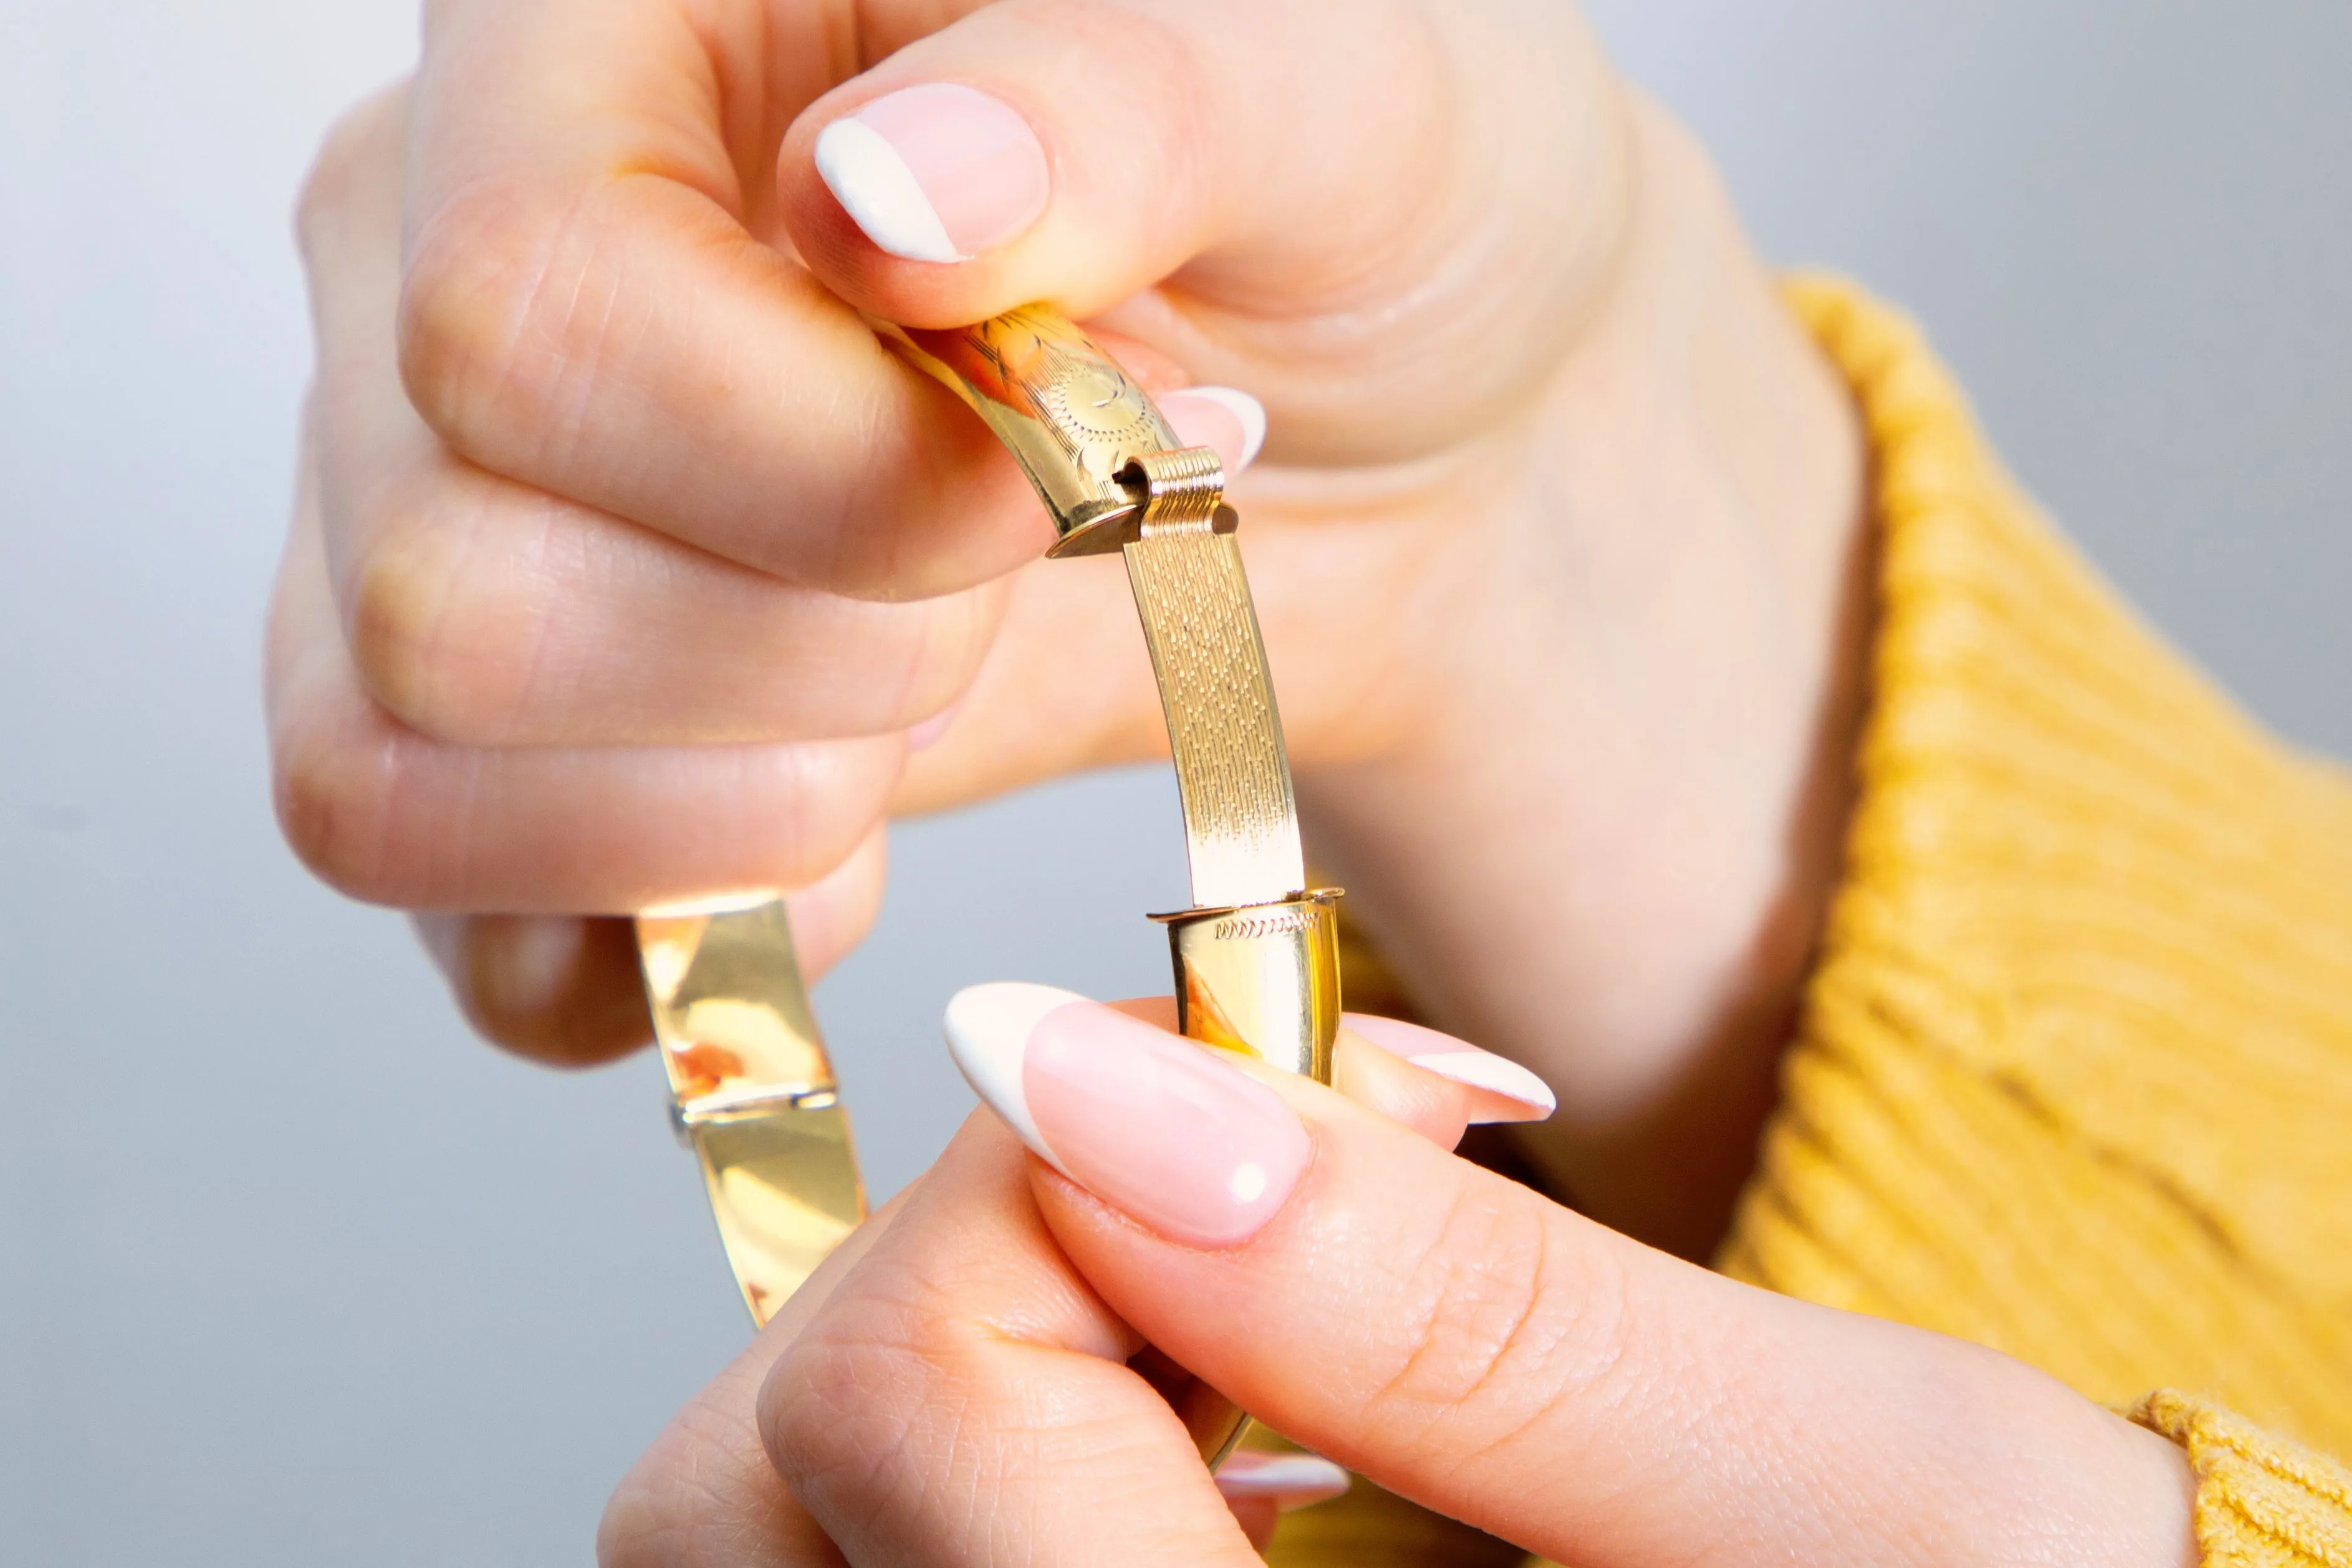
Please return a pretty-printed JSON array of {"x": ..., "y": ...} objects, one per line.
[{"x": 624, "y": 563}]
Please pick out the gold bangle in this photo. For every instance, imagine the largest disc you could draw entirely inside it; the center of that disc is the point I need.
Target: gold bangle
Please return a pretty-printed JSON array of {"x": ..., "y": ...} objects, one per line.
[{"x": 1256, "y": 957}]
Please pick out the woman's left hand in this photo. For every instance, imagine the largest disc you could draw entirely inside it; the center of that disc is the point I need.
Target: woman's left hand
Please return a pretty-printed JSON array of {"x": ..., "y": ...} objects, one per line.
[{"x": 956, "y": 1394}]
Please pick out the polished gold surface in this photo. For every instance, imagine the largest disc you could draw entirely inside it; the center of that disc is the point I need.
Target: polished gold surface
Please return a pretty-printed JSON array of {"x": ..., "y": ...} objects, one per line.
[
  {"x": 752, "y": 1090},
  {"x": 1068, "y": 413},
  {"x": 1110, "y": 471},
  {"x": 1179, "y": 487},
  {"x": 1261, "y": 979},
  {"x": 1256, "y": 961}
]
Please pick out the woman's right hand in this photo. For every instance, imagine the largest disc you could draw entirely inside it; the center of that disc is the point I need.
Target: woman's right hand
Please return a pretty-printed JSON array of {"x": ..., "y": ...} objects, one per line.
[{"x": 625, "y": 560}]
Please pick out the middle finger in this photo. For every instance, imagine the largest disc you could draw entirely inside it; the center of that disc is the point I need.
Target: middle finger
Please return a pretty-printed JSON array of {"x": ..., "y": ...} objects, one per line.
[
  {"x": 485, "y": 613},
  {"x": 395, "y": 817},
  {"x": 585, "y": 310}
]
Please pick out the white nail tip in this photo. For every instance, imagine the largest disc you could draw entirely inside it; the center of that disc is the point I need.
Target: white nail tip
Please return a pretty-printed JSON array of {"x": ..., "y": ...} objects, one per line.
[
  {"x": 1495, "y": 1075},
  {"x": 988, "y": 1030},
  {"x": 1243, "y": 407},
  {"x": 1280, "y": 1475},
  {"x": 874, "y": 185}
]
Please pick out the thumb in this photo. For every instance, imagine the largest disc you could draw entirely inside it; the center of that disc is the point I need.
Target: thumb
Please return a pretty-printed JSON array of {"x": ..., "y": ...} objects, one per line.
[
  {"x": 1467, "y": 1343},
  {"x": 1429, "y": 186}
]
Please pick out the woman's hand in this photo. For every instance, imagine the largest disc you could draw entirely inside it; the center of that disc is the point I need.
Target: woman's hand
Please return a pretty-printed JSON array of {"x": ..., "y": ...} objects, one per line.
[
  {"x": 1448, "y": 1333},
  {"x": 981, "y": 1406},
  {"x": 628, "y": 567}
]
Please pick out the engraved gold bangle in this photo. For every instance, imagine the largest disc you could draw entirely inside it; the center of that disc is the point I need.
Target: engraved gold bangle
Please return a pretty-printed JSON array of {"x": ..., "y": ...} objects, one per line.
[{"x": 1255, "y": 959}]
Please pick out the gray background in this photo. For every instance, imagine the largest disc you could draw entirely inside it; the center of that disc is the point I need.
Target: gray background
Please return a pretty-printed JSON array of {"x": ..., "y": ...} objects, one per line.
[{"x": 292, "y": 1271}]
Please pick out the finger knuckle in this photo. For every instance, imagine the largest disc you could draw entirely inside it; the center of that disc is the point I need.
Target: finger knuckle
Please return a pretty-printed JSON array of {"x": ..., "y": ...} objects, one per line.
[
  {"x": 446, "y": 641},
  {"x": 892, "y": 1393},
  {"x": 332, "y": 785},
  {"x": 1508, "y": 1318},
  {"x": 840, "y": 1410},
  {"x": 356, "y": 150},
  {"x": 686, "y": 1499},
  {"x": 500, "y": 324}
]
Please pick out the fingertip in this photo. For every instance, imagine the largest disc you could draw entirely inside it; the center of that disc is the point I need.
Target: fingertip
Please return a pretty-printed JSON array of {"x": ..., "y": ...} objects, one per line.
[
  {"x": 563, "y": 990},
  {"x": 881, "y": 194},
  {"x": 987, "y": 1028},
  {"x": 1293, "y": 1480},
  {"x": 832, "y": 915},
  {"x": 1225, "y": 418},
  {"x": 938, "y": 172},
  {"x": 1500, "y": 1088}
]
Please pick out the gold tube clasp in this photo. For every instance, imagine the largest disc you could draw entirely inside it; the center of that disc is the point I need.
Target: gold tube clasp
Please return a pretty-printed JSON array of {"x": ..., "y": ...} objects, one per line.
[{"x": 1261, "y": 978}]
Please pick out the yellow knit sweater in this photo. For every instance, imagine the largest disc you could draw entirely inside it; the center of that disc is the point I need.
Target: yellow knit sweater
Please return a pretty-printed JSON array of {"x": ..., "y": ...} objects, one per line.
[{"x": 2074, "y": 1077}]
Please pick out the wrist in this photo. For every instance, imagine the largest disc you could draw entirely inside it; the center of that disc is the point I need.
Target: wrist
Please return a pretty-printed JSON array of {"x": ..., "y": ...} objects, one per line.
[{"x": 1606, "y": 846}]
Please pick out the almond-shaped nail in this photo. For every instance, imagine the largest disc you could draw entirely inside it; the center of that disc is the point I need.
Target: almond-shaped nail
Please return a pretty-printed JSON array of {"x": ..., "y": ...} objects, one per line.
[
  {"x": 936, "y": 173},
  {"x": 1506, "y": 1091},
  {"x": 1151, "y": 1124},
  {"x": 1224, "y": 417},
  {"x": 1295, "y": 1480}
]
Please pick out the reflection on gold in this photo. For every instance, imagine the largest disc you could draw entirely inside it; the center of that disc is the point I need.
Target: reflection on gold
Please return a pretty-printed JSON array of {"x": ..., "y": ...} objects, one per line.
[
  {"x": 1257, "y": 960},
  {"x": 751, "y": 1085},
  {"x": 1261, "y": 979},
  {"x": 1068, "y": 413},
  {"x": 784, "y": 1188}
]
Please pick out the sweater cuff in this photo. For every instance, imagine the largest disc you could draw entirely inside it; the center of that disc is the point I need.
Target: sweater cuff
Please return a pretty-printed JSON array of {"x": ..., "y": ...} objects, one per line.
[
  {"x": 2071, "y": 1078},
  {"x": 2262, "y": 1502}
]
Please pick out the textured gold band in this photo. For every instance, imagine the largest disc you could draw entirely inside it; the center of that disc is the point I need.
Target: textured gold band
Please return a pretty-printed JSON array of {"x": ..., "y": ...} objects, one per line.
[
  {"x": 1255, "y": 959},
  {"x": 1241, "y": 824}
]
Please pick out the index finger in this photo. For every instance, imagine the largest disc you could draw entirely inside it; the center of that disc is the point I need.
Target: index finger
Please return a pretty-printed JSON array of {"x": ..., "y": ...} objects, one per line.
[
  {"x": 1469, "y": 1344},
  {"x": 591, "y": 306}
]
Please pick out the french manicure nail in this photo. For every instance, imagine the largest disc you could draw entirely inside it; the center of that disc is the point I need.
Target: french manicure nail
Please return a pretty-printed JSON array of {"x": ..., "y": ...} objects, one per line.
[
  {"x": 1224, "y": 417},
  {"x": 1513, "y": 1093},
  {"x": 1297, "y": 1479},
  {"x": 936, "y": 173},
  {"x": 1197, "y": 1150}
]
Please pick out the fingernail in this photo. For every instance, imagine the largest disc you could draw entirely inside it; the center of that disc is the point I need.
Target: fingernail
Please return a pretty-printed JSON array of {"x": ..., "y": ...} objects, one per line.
[
  {"x": 1295, "y": 1480},
  {"x": 526, "y": 963},
  {"x": 1150, "y": 1123},
  {"x": 926, "y": 735},
  {"x": 936, "y": 173},
  {"x": 1224, "y": 417},
  {"x": 1510, "y": 1092}
]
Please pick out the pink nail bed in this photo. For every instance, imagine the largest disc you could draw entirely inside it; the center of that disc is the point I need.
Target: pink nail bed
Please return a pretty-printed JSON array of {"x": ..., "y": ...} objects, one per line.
[
  {"x": 1192, "y": 1147},
  {"x": 977, "y": 162}
]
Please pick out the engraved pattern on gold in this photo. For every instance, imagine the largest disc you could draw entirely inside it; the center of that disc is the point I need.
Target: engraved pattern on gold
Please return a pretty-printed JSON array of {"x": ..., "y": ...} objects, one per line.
[
  {"x": 1241, "y": 821},
  {"x": 1068, "y": 413}
]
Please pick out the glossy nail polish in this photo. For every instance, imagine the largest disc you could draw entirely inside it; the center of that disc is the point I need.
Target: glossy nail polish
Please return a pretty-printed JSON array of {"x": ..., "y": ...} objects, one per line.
[
  {"x": 1153, "y": 1124},
  {"x": 1508, "y": 1092},
  {"x": 1294, "y": 1480},
  {"x": 1224, "y": 417},
  {"x": 937, "y": 173}
]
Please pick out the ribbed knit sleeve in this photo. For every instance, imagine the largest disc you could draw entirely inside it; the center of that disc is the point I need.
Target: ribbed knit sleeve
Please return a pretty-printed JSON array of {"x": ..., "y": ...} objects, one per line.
[
  {"x": 2073, "y": 1077},
  {"x": 2261, "y": 1502}
]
